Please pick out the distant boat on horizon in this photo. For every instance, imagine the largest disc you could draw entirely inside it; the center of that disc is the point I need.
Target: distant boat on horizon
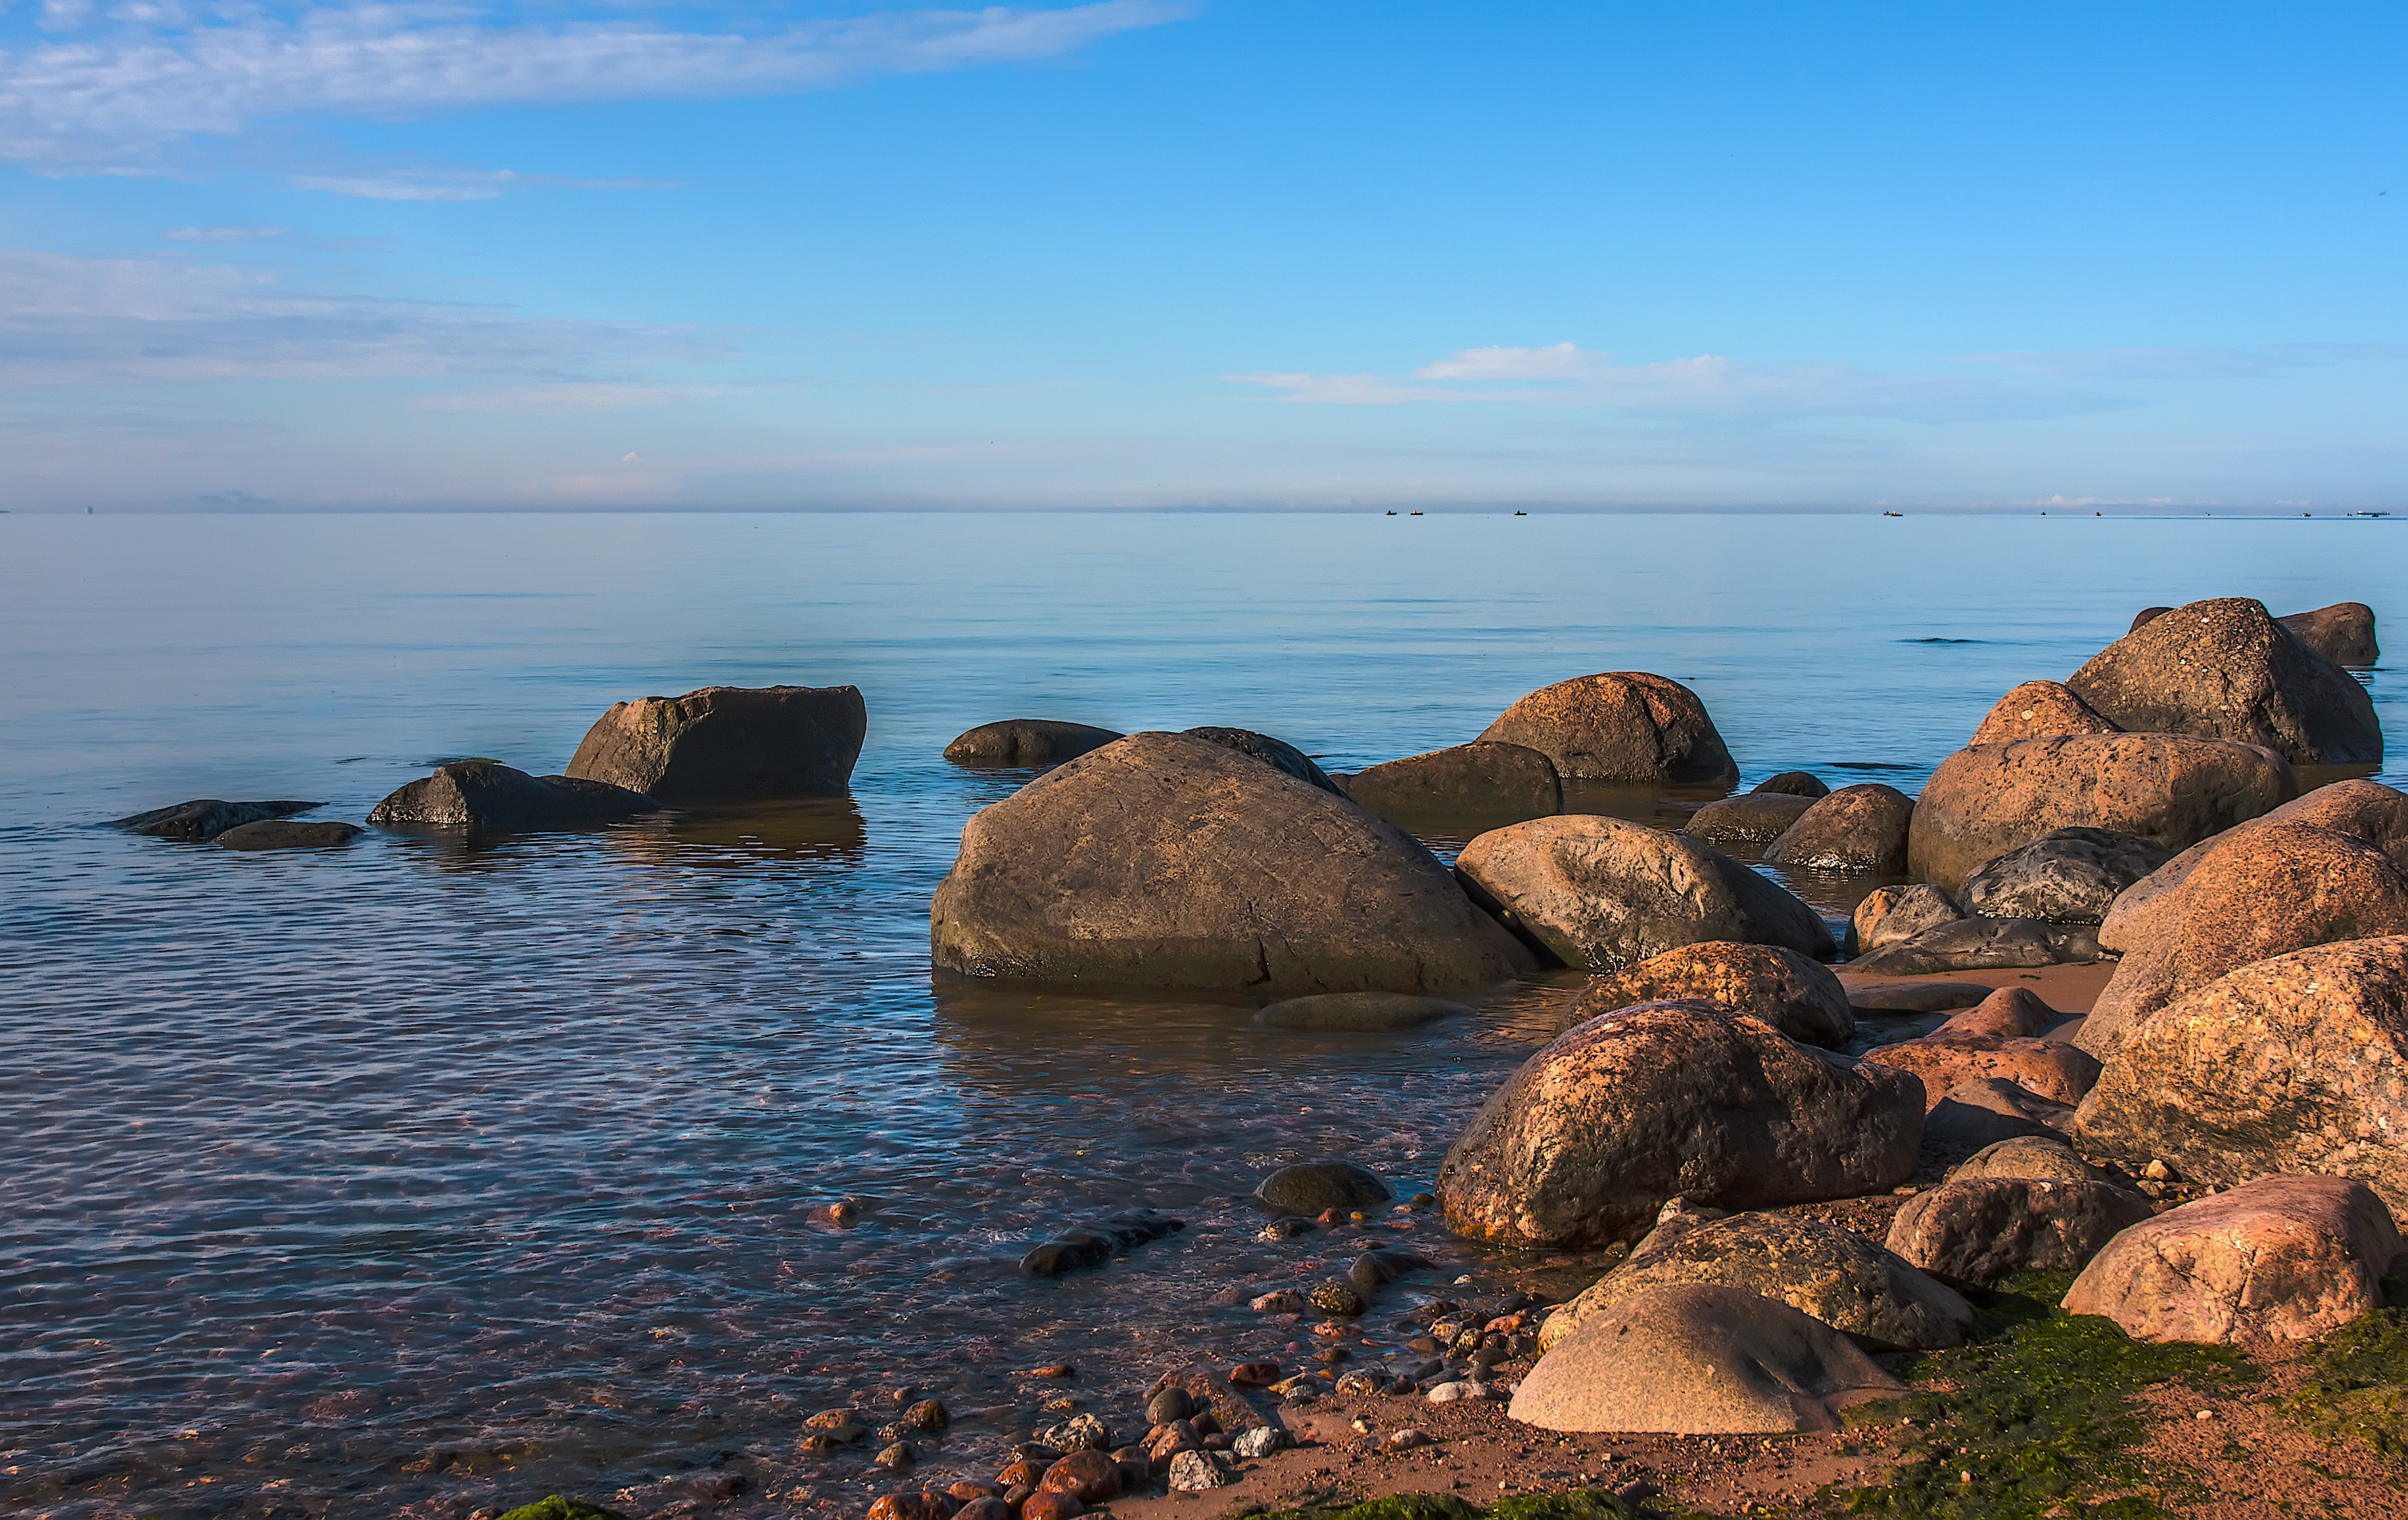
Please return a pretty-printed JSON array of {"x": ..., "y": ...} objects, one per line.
[{"x": 1893, "y": 514}]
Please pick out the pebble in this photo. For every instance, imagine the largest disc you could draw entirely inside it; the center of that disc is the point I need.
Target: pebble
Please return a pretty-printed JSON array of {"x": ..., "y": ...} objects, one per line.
[
  {"x": 1285, "y": 1229},
  {"x": 929, "y": 1414},
  {"x": 1406, "y": 1439},
  {"x": 1082, "y": 1433},
  {"x": 1261, "y": 1441},
  {"x": 1447, "y": 1393},
  {"x": 1333, "y": 1297},
  {"x": 1255, "y": 1375},
  {"x": 833, "y": 1421},
  {"x": 1094, "y": 1476},
  {"x": 919, "y": 1506},
  {"x": 1192, "y": 1472},
  {"x": 1051, "y": 1504},
  {"x": 896, "y": 1456},
  {"x": 968, "y": 1489},
  {"x": 1057, "y": 1370},
  {"x": 1172, "y": 1403},
  {"x": 1283, "y": 1301}
]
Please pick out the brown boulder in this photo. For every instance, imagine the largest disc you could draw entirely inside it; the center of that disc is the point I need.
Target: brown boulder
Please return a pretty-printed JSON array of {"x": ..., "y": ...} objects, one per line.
[
  {"x": 2170, "y": 789},
  {"x": 2295, "y": 1064},
  {"x": 1698, "y": 1358},
  {"x": 1095, "y": 1477},
  {"x": 1817, "y": 1268},
  {"x": 1799, "y": 998},
  {"x": 1798, "y": 784},
  {"x": 1495, "y": 783},
  {"x": 2008, "y": 1013},
  {"x": 1601, "y": 893},
  {"x": 2041, "y": 1156},
  {"x": 926, "y": 1504},
  {"x": 1165, "y": 861},
  {"x": 1891, "y": 913},
  {"x": 2046, "y": 1069},
  {"x": 1753, "y": 819},
  {"x": 480, "y": 796},
  {"x": 1980, "y": 944},
  {"x": 2343, "y": 633},
  {"x": 2287, "y": 1258},
  {"x": 2036, "y": 709},
  {"x": 1974, "y": 1232},
  {"x": 2067, "y": 876},
  {"x": 1857, "y": 828},
  {"x": 2264, "y": 893},
  {"x": 1278, "y": 754},
  {"x": 2224, "y": 669},
  {"x": 1026, "y": 741},
  {"x": 1621, "y": 726},
  {"x": 1584, "y": 1145},
  {"x": 1980, "y": 1112},
  {"x": 728, "y": 744}
]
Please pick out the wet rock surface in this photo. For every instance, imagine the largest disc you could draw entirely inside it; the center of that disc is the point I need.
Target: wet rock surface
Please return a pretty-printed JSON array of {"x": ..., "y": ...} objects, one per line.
[
  {"x": 1858, "y": 829},
  {"x": 480, "y": 797},
  {"x": 205, "y": 818},
  {"x": 1312, "y": 1187},
  {"x": 1751, "y": 820},
  {"x": 1490, "y": 783},
  {"x": 2046, "y": 1069},
  {"x": 1094, "y": 1243},
  {"x": 1026, "y": 741},
  {"x": 1619, "y": 726},
  {"x": 1588, "y": 1141},
  {"x": 728, "y": 744},
  {"x": 1980, "y": 944},
  {"x": 1797, "y": 996},
  {"x": 288, "y": 834},
  {"x": 1603, "y": 893}
]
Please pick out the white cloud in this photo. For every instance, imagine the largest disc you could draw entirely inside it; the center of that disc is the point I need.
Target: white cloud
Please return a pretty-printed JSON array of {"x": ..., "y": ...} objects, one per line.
[
  {"x": 562, "y": 398},
  {"x": 418, "y": 185},
  {"x": 1565, "y": 375},
  {"x": 125, "y": 88},
  {"x": 225, "y": 235},
  {"x": 2185, "y": 363},
  {"x": 66, "y": 320}
]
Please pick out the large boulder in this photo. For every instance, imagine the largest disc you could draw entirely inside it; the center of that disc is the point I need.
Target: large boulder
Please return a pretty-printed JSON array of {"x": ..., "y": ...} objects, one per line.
[
  {"x": 2343, "y": 633},
  {"x": 1586, "y": 1143},
  {"x": 2036, "y": 709},
  {"x": 2262, "y": 893},
  {"x": 1751, "y": 819},
  {"x": 1891, "y": 913},
  {"x": 1976, "y": 1230},
  {"x": 2286, "y": 1258},
  {"x": 1602, "y": 892},
  {"x": 1165, "y": 861},
  {"x": 1818, "y": 1268},
  {"x": 728, "y": 744},
  {"x": 205, "y": 818},
  {"x": 483, "y": 797},
  {"x": 1699, "y": 1358},
  {"x": 1980, "y": 944},
  {"x": 1857, "y": 828},
  {"x": 2067, "y": 876},
  {"x": 1026, "y": 741},
  {"x": 2170, "y": 789},
  {"x": 2294, "y": 1063},
  {"x": 2224, "y": 669},
  {"x": 2049, "y": 1068},
  {"x": 1797, "y": 996},
  {"x": 1278, "y": 754},
  {"x": 1497, "y": 784},
  {"x": 1620, "y": 726}
]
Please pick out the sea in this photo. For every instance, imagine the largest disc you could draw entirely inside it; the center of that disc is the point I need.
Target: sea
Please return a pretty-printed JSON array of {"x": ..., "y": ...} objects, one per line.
[{"x": 422, "y": 1180}]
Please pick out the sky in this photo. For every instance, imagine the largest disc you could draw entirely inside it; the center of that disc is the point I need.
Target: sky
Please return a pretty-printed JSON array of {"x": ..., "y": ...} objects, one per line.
[{"x": 447, "y": 255}]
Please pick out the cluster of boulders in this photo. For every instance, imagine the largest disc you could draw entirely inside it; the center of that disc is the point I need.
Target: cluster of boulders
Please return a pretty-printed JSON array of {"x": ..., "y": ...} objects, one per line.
[{"x": 720, "y": 745}]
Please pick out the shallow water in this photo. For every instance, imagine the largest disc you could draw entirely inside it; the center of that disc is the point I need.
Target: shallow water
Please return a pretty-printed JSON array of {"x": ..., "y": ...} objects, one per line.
[{"x": 411, "y": 1179}]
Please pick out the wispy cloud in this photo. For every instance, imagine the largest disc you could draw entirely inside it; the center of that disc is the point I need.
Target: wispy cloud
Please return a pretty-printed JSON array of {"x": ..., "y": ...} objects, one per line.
[
  {"x": 431, "y": 184},
  {"x": 1565, "y": 375},
  {"x": 562, "y": 398},
  {"x": 2185, "y": 363},
  {"x": 67, "y": 321},
  {"x": 225, "y": 235},
  {"x": 108, "y": 91}
]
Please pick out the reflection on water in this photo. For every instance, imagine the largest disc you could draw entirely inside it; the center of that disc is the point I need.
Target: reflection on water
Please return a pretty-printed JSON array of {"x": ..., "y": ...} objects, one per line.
[{"x": 412, "y": 1178}]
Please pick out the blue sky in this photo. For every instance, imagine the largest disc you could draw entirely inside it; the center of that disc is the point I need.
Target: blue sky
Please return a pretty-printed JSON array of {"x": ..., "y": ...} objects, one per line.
[{"x": 1144, "y": 252}]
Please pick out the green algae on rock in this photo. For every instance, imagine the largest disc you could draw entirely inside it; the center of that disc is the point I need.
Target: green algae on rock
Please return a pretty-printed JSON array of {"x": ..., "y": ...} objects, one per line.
[
  {"x": 2358, "y": 1384},
  {"x": 561, "y": 1507}
]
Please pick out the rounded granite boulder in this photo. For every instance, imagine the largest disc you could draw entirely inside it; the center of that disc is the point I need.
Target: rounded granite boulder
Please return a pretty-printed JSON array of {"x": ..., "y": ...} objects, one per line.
[
  {"x": 1495, "y": 783},
  {"x": 2343, "y": 633},
  {"x": 2066, "y": 876},
  {"x": 1858, "y": 829},
  {"x": 2036, "y": 709},
  {"x": 1012, "y": 742},
  {"x": 728, "y": 744},
  {"x": 1620, "y": 726},
  {"x": 1165, "y": 861},
  {"x": 1797, "y": 996}
]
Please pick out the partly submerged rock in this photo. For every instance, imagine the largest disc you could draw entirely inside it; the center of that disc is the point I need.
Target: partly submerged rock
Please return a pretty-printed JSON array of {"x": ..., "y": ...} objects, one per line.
[
  {"x": 1093, "y": 1243},
  {"x": 480, "y": 796},
  {"x": 1619, "y": 726},
  {"x": 2343, "y": 633},
  {"x": 1311, "y": 1187},
  {"x": 2170, "y": 789},
  {"x": 2066, "y": 876},
  {"x": 1980, "y": 944},
  {"x": 288, "y": 834},
  {"x": 1168, "y": 861},
  {"x": 1800, "y": 783},
  {"x": 1026, "y": 741},
  {"x": 205, "y": 818},
  {"x": 728, "y": 744},
  {"x": 1699, "y": 1358},
  {"x": 1278, "y": 754},
  {"x": 2036, "y": 709},
  {"x": 1493, "y": 784},
  {"x": 2224, "y": 669},
  {"x": 1341, "y": 1012},
  {"x": 1860, "y": 829},
  {"x": 1834, "y": 1274},
  {"x": 1602, "y": 892},
  {"x": 2288, "y": 1258},
  {"x": 2297, "y": 1064},
  {"x": 1583, "y": 1146},
  {"x": 1893, "y": 913},
  {"x": 1797, "y": 996},
  {"x": 1751, "y": 819},
  {"x": 1975, "y": 1230}
]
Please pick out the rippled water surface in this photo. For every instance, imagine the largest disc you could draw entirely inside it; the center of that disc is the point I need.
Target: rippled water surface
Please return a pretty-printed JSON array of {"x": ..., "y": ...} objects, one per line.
[{"x": 413, "y": 1178}]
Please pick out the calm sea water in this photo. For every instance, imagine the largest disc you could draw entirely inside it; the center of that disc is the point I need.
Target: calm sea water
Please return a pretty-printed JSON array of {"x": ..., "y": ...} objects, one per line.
[{"x": 411, "y": 1179}]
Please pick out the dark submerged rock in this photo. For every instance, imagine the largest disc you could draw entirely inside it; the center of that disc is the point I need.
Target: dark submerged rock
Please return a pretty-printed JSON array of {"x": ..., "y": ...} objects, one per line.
[
  {"x": 1313, "y": 1187},
  {"x": 1026, "y": 741},
  {"x": 728, "y": 744},
  {"x": 1800, "y": 784},
  {"x": 205, "y": 818},
  {"x": 287, "y": 834},
  {"x": 480, "y": 796},
  {"x": 1753, "y": 819},
  {"x": 1495, "y": 783},
  {"x": 1093, "y": 1243},
  {"x": 1278, "y": 754},
  {"x": 1356, "y": 1011}
]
